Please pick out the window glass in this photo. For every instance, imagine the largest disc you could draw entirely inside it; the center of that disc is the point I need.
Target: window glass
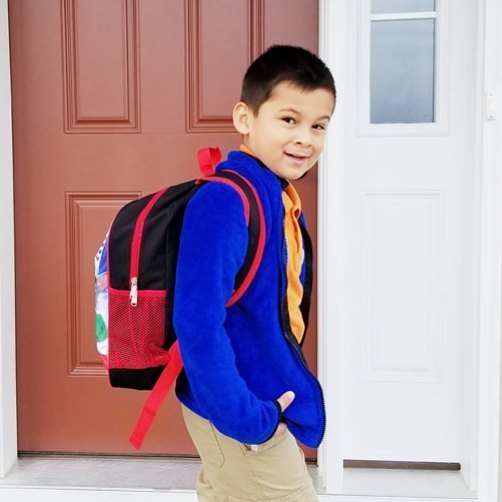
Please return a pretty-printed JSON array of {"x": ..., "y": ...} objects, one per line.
[
  {"x": 402, "y": 71},
  {"x": 399, "y": 6}
]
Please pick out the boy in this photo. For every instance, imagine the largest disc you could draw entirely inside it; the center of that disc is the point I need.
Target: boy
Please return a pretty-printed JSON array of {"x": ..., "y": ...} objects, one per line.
[{"x": 246, "y": 391}]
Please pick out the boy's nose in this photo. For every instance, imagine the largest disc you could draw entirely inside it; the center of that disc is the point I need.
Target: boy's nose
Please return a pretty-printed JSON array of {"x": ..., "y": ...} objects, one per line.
[{"x": 303, "y": 137}]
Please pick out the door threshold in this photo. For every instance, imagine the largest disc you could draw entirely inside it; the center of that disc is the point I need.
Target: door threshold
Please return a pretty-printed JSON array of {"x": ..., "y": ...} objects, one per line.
[
  {"x": 110, "y": 479},
  {"x": 412, "y": 483},
  {"x": 109, "y": 472},
  {"x": 103, "y": 473}
]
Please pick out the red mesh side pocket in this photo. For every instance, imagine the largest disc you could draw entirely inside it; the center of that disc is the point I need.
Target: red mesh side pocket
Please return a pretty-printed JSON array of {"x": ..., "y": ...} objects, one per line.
[{"x": 136, "y": 334}]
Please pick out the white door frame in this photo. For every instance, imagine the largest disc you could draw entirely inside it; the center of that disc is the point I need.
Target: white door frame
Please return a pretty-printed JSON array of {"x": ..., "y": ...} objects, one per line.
[
  {"x": 332, "y": 35},
  {"x": 8, "y": 426},
  {"x": 486, "y": 449},
  {"x": 490, "y": 239}
]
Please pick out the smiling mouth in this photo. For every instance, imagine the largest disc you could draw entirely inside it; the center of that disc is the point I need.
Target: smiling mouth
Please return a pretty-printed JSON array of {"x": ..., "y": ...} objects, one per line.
[{"x": 299, "y": 159}]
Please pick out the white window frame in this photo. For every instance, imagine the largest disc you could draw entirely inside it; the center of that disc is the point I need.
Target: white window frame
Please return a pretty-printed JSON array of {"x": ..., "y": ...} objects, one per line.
[{"x": 441, "y": 71}]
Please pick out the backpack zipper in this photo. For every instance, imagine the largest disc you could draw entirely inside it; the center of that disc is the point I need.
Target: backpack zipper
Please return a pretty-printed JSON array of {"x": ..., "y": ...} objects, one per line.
[
  {"x": 136, "y": 246},
  {"x": 133, "y": 295}
]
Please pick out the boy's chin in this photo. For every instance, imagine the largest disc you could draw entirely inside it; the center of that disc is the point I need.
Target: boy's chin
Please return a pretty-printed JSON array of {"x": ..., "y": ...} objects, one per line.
[{"x": 301, "y": 176}]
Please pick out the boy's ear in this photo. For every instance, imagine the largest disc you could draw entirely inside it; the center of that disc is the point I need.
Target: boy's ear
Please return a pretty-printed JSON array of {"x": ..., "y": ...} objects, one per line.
[{"x": 241, "y": 115}]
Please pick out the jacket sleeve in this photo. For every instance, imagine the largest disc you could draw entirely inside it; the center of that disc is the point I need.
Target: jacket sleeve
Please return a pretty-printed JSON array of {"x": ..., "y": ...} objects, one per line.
[{"x": 213, "y": 245}]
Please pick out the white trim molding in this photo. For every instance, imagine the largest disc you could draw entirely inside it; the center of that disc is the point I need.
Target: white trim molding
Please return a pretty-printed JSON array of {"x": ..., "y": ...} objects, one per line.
[
  {"x": 8, "y": 427},
  {"x": 490, "y": 262},
  {"x": 332, "y": 29}
]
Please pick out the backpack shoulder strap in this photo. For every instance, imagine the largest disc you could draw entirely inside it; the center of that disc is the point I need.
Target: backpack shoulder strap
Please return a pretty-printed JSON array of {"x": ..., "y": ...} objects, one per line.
[{"x": 255, "y": 219}]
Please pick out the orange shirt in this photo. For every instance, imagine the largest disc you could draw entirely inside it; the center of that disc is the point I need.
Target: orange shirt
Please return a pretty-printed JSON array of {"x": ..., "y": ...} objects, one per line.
[{"x": 296, "y": 255}]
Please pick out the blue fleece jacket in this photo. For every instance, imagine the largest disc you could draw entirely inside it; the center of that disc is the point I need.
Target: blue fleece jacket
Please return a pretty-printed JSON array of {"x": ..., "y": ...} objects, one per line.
[{"x": 239, "y": 360}]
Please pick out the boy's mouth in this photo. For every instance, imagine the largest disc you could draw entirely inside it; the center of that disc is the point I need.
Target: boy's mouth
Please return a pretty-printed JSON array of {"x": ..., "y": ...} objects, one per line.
[{"x": 296, "y": 157}]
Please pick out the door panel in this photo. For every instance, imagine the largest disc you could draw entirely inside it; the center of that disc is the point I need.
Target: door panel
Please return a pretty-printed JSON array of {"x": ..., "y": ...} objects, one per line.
[
  {"x": 409, "y": 238},
  {"x": 112, "y": 99}
]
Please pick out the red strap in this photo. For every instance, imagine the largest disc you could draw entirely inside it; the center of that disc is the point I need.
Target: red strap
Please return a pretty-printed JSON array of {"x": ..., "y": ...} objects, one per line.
[
  {"x": 138, "y": 233},
  {"x": 208, "y": 159},
  {"x": 239, "y": 190},
  {"x": 237, "y": 294},
  {"x": 157, "y": 396},
  {"x": 259, "y": 250}
]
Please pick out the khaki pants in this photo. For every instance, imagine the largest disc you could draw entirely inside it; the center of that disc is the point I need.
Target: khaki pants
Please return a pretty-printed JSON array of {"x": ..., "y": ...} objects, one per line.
[{"x": 235, "y": 472}]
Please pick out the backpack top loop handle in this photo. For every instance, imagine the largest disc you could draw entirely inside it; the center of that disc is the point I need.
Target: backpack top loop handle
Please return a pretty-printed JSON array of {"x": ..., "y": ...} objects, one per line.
[{"x": 208, "y": 158}]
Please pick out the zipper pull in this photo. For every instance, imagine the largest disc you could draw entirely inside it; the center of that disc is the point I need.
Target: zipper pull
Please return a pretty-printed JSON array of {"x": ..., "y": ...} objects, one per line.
[{"x": 133, "y": 295}]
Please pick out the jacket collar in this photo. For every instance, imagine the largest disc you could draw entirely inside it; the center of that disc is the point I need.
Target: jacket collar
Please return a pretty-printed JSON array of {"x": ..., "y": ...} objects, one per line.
[{"x": 246, "y": 164}]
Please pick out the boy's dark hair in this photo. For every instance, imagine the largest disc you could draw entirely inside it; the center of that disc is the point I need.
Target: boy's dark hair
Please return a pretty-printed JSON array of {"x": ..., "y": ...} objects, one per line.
[{"x": 281, "y": 63}]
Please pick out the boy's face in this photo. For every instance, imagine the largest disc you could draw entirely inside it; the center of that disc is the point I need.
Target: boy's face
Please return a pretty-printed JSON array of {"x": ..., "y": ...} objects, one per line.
[{"x": 287, "y": 134}]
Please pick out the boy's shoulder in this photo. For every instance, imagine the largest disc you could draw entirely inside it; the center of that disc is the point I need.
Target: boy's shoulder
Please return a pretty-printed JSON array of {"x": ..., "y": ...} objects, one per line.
[
  {"x": 214, "y": 197},
  {"x": 253, "y": 169}
]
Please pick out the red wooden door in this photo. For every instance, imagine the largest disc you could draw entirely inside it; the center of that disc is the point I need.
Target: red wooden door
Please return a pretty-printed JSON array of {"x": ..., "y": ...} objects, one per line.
[{"x": 111, "y": 100}]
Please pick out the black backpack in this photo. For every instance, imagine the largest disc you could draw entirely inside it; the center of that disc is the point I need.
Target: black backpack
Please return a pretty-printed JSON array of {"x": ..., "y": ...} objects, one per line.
[{"x": 134, "y": 280}]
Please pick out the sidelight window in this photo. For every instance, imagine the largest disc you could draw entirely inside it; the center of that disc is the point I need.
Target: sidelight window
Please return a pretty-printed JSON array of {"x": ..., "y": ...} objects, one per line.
[{"x": 403, "y": 70}]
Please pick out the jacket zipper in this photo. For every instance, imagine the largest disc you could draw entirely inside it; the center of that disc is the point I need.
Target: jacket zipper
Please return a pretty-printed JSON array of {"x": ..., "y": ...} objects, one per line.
[
  {"x": 290, "y": 338},
  {"x": 136, "y": 247}
]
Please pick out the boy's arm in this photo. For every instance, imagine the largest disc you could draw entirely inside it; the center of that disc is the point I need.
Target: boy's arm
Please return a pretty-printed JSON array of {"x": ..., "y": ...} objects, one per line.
[{"x": 213, "y": 245}]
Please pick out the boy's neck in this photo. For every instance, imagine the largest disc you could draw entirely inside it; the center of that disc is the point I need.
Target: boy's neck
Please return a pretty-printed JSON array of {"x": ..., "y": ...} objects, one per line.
[{"x": 245, "y": 149}]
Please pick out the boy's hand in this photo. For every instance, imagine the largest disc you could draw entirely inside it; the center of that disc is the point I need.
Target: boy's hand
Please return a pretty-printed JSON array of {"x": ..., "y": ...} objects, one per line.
[{"x": 284, "y": 401}]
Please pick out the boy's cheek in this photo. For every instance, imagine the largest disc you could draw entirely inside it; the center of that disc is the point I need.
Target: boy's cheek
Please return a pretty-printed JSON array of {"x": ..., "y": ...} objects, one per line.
[{"x": 322, "y": 141}]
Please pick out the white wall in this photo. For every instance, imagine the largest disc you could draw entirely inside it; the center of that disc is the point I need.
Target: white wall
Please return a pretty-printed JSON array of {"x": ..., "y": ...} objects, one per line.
[{"x": 8, "y": 436}]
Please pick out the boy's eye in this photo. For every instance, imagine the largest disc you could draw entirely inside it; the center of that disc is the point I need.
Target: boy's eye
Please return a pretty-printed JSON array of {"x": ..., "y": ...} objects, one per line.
[
  {"x": 320, "y": 127},
  {"x": 288, "y": 120}
]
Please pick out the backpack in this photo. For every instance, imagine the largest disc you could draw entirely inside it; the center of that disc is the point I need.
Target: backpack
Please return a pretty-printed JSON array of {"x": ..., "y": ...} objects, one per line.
[{"x": 135, "y": 270}]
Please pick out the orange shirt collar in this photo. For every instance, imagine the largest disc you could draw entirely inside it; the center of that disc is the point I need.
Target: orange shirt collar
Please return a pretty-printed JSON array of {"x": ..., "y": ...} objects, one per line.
[{"x": 246, "y": 149}]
